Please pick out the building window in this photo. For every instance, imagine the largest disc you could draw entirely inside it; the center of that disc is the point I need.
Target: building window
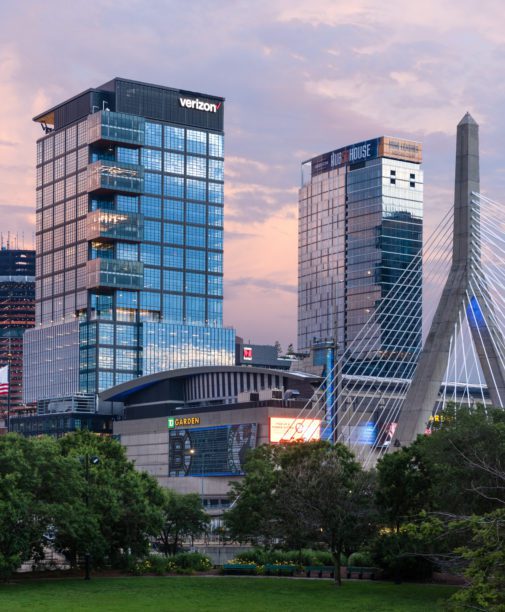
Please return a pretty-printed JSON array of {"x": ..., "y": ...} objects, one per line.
[
  {"x": 150, "y": 254},
  {"x": 172, "y": 307},
  {"x": 106, "y": 333},
  {"x": 195, "y": 283},
  {"x": 174, "y": 233},
  {"x": 195, "y": 310},
  {"x": 173, "y": 257},
  {"x": 127, "y": 203},
  {"x": 106, "y": 358},
  {"x": 127, "y": 299},
  {"x": 196, "y": 142},
  {"x": 150, "y": 300},
  {"x": 216, "y": 194},
  {"x": 215, "y": 216},
  {"x": 152, "y": 278},
  {"x": 127, "y": 251},
  {"x": 126, "y": 335},
  {"x": 152, "y": 183},
  {"x": 196, "y": 166},
  {"x": 152, "y": 231},
  {"x": 392, "y": 181},
  {"x": 215, "y": 308},
  {"x": 150, "y": 207},
  {"x": 174, "y": 138},
  {"x": 216, "y": 145},
  {"x": 151, "y": 159},
  {"x": 216, "y": 169},
  {"x": 174, "y": 163},
  {"x": 153, "y": 134},
  {"x": 215, "y": 239},
  {"x": 215, "y": 262},
  {"x": 195, "y": 236},
  {"x": 195, "y": 260},
  {"x": 127, "y": 156},
  {"x": 196, "y": 190},
  {"x": 174, "y": 186},
  {"x": 215, "y": 285},
  {"x": 126, "y": 359},
  {"x": 172, "y": 280},
  {"x": 195, "y": 213},
  {"x": 173, "y": 210}
]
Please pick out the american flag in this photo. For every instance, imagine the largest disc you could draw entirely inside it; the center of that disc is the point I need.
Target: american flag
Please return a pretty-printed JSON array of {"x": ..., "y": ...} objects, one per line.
[{"x": 4, "y": 380}]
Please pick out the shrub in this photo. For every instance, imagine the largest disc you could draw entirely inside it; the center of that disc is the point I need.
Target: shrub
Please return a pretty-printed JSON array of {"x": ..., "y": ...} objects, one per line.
[
  {"x": 257, "y": 556},
  {"x": 397, "y": 554},
  {"x": 192, "y": 561},
  {"x": 360, "y": 559}
]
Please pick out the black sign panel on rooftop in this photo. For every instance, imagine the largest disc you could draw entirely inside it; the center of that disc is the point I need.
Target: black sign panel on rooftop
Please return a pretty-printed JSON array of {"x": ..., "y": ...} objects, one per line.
[{"x": 172, "y": 105}]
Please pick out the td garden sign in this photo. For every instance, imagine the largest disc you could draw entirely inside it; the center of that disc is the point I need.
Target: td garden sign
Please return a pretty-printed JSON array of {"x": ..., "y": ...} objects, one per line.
[{"x": 172, "y": 422}]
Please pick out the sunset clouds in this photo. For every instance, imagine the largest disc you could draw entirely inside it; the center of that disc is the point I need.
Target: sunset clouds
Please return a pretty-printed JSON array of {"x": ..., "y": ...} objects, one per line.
[{"x": 299, "y": 78}]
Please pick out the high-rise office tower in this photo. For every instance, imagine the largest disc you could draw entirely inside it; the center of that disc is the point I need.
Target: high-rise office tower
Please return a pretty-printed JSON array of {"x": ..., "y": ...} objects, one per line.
[
  {"x": 129, "y": 239},
  {"x": 360, "y": 228},
  {"x": 17, "y": 314}
]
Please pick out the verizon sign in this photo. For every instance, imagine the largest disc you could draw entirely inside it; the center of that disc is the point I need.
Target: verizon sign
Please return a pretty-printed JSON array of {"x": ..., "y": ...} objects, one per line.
[{"x": 196, "y": 104}]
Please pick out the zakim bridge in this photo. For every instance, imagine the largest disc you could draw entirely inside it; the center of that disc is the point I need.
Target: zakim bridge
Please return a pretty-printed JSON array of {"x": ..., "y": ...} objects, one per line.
[{"x": 463, "y": 357}]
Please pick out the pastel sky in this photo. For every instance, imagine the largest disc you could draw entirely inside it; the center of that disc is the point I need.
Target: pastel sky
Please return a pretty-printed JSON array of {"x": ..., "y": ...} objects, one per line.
[{"x": 299, "y": 78}]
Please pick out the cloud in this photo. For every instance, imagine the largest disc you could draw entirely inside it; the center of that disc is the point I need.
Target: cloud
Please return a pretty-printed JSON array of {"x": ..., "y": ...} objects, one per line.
[{"x": 299, "y": 79}]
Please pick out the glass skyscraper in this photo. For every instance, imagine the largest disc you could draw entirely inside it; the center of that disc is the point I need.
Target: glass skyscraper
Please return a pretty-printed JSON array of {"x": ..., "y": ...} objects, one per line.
[
  {"x": 360, "y": 229},
  {"x": 129, "y": 269}
]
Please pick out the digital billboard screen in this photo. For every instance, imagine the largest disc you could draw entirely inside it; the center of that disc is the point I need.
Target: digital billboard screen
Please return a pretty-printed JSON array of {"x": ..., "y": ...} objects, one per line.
[
  {"x": 210, "y": 451},
  {"x": 285, "y": 429}
]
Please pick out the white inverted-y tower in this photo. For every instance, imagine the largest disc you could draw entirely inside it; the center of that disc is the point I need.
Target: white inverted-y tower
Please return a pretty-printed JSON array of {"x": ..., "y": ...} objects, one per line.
[{"x": 465, "y": 290}]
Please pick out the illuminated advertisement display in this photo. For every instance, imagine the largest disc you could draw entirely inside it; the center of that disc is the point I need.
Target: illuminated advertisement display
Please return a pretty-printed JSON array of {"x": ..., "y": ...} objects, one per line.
[
  {"x": 365, "y": 433},
  {"x": 248, "y": 353},
  {"x": 285, "y": 429},
  {"x": 210, "y": 451}
]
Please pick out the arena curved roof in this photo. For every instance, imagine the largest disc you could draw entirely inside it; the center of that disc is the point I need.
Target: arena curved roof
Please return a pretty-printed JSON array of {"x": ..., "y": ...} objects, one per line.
[{"x": 120, "y": 392}]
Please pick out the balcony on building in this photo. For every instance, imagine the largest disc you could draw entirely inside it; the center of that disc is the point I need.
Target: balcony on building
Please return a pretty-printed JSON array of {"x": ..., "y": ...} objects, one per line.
[
  {"x": 109, "y": 225},
  {"x": 113, "y": 176},
  {"x": 109, "y": 127},
  {"x": 114, "y": 274}
]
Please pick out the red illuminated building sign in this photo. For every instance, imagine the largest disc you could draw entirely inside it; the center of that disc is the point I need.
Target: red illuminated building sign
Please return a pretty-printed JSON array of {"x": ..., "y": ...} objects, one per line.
[{"x": 247, "y": 356}]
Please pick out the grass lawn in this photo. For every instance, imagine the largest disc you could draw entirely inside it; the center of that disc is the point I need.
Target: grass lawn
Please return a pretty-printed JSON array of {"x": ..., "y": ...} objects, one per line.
[{"x": 219, "y": 595}]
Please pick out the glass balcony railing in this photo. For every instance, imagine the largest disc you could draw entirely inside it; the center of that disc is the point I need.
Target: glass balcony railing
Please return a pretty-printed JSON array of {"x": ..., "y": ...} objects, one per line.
[
  {"x": 111, "y": 225},
  {"x": 114, "y": 273},
  {"x": 107, "y": 175},
  {"x": 106, "y": 126}
]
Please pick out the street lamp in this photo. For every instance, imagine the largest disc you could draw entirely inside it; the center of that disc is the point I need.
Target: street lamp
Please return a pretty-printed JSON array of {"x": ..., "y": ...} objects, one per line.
[
  {"x": 93, "y": 460},
  {"x": 193, "y": 452}
]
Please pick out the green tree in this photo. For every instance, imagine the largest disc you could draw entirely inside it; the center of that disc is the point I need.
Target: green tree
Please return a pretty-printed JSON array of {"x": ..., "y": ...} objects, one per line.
[
  {"x": 403, "y": 486},
  {"x": 119, "y": 508},
  {"x": 183, "y": 517},
  {"x": 485, "y": 555},
  {"x": 37, "y": 486},
  {"x": 303, "y": 493},
  {"x": 324, "y": 492},
  {"x": 251, "y": 517}
]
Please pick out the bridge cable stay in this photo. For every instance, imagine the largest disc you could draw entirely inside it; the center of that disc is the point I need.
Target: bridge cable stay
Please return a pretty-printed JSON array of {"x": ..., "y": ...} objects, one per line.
[{"x": 405, "y": 293}]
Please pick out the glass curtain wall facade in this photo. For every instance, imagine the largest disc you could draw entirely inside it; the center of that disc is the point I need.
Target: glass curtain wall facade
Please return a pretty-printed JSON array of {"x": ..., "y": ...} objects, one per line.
[
  {"x": 130, "y": 235},
  {"x": 360, "y": 231}
]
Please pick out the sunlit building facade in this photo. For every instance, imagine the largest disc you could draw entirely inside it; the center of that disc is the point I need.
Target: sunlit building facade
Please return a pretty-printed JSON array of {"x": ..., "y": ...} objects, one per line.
[
  {"x": 360, "y": 231},
  {"x": 129, "y": 274}
]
